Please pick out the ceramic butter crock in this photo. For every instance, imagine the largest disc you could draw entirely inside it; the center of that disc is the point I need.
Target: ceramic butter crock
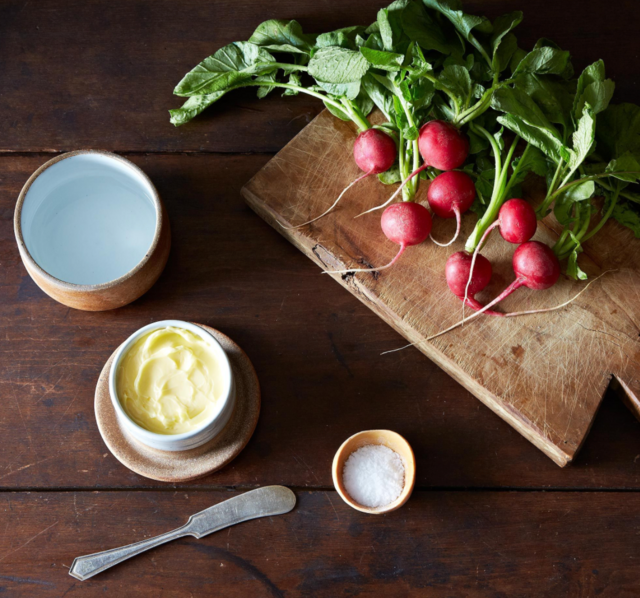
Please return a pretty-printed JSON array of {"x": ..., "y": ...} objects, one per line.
[
  {"x": 209, "y": 428},
  {"x": 92, "y": 230}
]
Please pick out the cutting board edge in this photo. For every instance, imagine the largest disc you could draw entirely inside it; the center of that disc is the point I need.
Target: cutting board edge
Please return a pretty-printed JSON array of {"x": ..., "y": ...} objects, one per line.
[
  {"x": 515, "y": 419},
  {"x": 630, "y": 396}
]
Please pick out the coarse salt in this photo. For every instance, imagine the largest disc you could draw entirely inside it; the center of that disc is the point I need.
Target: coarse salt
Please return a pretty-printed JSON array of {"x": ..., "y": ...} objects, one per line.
[{"x": 373, "y": 475}]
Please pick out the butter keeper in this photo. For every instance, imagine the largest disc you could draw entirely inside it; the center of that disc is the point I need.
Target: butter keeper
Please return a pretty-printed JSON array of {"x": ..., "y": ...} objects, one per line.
[{"x": 172, "y": 386}]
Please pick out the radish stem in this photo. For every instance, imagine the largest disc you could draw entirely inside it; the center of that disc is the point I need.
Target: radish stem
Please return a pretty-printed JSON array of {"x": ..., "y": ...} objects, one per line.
[
  {"x": 398, "y": 190},
  {"x": 362, "y": 123},
  {"x": 594, "y": 177},
  {"x": 498, "y": 196}
]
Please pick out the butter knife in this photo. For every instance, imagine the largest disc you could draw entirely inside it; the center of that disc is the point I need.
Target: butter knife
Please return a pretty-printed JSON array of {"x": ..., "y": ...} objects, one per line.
[{"x": 262, "y": 502}]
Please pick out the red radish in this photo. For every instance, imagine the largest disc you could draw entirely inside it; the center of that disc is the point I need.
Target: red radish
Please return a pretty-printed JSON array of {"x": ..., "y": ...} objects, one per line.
[
  {"x": 450, "y": 195},
  {"x": 374, "y": 152},
  {"x": 405, "y": 224},
  {"x": 457, "y": 273},
  {"x": 517, "y": 222},
  {"x": 442, "y": 146},
  {"x": 535, "y": 266}
]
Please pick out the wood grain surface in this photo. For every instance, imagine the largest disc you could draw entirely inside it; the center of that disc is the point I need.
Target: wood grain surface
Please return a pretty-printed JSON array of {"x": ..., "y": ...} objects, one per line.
[
  {"x": 85, "y": 74},
  {"x": 229, "y": 270},
  {"x": 545, "y": 374},
  {"x": 440, "y": 544},
  {"x": 491, "y": 515}
]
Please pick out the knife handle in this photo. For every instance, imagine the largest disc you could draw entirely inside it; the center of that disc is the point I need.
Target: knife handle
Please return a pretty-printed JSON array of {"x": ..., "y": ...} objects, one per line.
[{"x": 84, "y": 567}]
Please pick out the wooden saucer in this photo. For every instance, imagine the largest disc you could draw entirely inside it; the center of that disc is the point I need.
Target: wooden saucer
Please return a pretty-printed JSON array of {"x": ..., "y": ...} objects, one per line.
[{"x": 183, "y": 466}]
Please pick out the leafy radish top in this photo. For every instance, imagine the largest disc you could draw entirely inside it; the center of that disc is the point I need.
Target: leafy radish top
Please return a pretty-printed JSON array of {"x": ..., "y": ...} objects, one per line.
[{"x": 515, "y": 110}]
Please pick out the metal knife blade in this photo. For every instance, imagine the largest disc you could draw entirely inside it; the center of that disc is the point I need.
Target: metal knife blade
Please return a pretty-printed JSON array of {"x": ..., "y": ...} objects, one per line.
[{"x": 262, "y": 502}]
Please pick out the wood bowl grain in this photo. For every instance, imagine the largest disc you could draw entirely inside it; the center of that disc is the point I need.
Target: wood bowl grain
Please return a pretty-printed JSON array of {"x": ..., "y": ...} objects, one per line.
[
  {"x": 114, "y": 293},
  {"x": 387, "y": 438}
]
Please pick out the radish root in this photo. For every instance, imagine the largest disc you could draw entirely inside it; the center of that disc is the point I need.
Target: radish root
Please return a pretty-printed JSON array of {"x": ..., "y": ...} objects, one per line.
[
  {"x": 335, "y": 203},
  {"x": 458, "y": 221},
  {"x": 512, "y": 287},
  {"x": 476, "y": 305},
  {"x": 473, "y": 263},
  {"x": 393, "y": 261}
]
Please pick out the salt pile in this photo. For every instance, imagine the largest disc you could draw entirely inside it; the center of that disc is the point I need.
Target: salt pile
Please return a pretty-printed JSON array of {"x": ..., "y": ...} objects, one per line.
[{"x": 373, "y": 475}]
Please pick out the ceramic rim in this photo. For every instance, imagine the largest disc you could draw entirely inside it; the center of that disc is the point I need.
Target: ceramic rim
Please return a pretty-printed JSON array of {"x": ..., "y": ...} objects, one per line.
[
  {"x": 410, "y": 477},
  {"x": 26, "y": 255}
]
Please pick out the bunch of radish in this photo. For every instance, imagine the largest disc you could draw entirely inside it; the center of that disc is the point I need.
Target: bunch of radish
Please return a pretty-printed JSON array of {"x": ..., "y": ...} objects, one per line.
[
  {"x": 450, "y": 194},
  {"x": 534, "y": 263},
  {"x": 443, "y": 147},
  {"x": 389, "y": 66},
  {"x": 410, "y": 81}
]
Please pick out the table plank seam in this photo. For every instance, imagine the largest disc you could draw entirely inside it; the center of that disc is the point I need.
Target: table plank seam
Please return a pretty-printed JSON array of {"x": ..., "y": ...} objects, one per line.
[
  {"x": 57, "y": 152},
  {"x": 242, "y": 488}
]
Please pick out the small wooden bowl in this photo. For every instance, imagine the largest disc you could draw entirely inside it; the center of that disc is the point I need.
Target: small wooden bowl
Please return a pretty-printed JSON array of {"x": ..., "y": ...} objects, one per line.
[
  {"x": 92, "y": 231},
  {"x": 387, "y": 438}
]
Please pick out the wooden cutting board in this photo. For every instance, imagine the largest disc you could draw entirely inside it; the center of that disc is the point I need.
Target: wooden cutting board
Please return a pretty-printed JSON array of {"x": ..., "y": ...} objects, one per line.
[{"x": 544, "y": 374}]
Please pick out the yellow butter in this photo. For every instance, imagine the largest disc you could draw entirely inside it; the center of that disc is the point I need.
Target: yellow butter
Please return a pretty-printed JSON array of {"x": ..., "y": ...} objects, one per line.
[{"x": 170, "y": 381}]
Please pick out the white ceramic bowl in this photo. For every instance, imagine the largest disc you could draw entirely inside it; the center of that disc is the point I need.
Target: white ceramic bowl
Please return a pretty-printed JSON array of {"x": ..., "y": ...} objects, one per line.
[
  {"x": 92, "y": 230},
  {"x": 188, "y": 440}
]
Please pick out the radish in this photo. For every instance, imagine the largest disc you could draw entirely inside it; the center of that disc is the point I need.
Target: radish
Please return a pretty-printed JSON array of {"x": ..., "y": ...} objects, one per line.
[
  {"x": 441, "y": 146},
  {"x": 374, "y": 152},
  {"x": 451, "y": 194},
  {"x": 517, "y": 222},
  {"x": 457, "y": 273},
  {"x": 405, "y": 224},
  {"x": 535, "y": 266}
]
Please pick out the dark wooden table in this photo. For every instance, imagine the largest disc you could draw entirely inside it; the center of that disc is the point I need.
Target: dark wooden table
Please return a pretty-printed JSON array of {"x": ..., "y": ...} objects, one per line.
[{"x": 491, "y": 515}]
